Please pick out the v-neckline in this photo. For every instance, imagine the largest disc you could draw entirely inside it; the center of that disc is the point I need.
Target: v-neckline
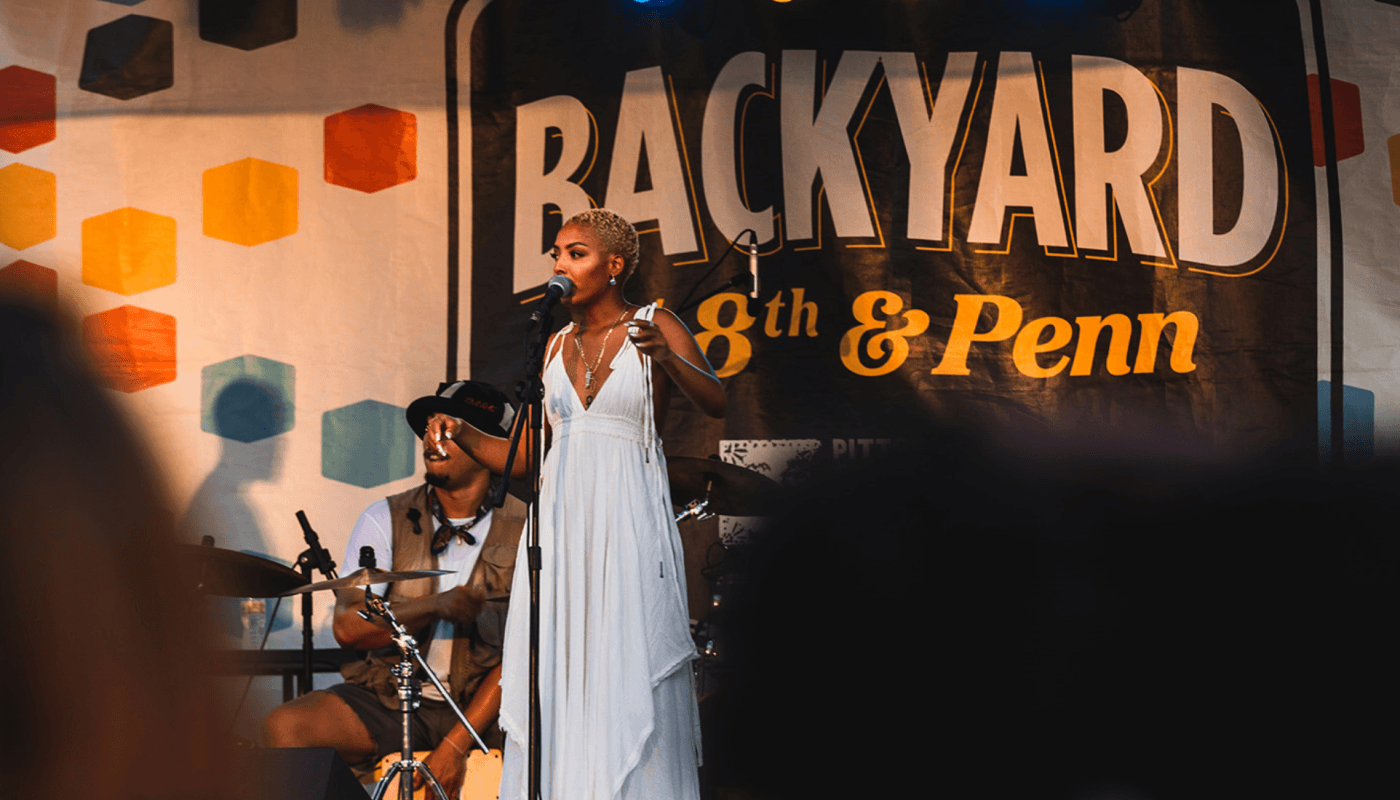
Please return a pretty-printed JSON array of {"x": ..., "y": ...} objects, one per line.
[{"x": 573, "y": 390}]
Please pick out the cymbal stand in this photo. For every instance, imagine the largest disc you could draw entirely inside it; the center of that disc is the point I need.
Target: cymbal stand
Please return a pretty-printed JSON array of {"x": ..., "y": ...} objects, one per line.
[
  {"x": 699, "y": 509},
  {"x": 409, "y": 697}
]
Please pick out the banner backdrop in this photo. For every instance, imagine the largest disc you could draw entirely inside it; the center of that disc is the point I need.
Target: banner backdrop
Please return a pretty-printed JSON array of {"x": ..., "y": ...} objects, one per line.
[
  {"x": 1101, "y": 221},
  {"x": 277, "y": 222}
]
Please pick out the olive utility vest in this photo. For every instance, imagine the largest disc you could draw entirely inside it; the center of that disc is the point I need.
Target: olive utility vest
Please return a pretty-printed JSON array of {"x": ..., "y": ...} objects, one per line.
[{"x": 476, "y": 646}]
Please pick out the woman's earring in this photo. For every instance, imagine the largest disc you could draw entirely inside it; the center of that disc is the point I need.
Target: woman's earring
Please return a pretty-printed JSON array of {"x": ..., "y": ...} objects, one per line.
[{"x": 612, "y": 281}]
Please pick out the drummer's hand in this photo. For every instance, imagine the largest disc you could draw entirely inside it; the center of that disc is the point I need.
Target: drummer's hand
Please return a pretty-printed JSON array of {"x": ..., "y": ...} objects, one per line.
[
  {"x": 461, "y": 604},
  {"x": 449, "y": 767},
  {"x": 649, "y": 339}
]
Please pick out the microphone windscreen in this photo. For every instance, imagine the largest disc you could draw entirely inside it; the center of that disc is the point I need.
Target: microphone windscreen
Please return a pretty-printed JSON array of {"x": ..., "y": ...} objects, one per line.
[{"x": 565, "y": 286}]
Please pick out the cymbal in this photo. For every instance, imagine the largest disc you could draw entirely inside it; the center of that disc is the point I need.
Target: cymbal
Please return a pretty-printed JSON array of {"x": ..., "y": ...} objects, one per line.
[
  {"x": 733, "y": 490},
  {"x": 367, "y": 576},
  {"x": 229, "y": 573}
]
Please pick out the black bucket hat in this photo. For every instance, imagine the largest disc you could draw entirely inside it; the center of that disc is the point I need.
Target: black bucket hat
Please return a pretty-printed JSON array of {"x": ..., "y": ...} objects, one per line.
[{"x": 481, "y": 404}]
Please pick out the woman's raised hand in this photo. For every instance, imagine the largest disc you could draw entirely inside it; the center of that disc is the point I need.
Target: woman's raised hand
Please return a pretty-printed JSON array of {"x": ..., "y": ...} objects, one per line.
[{"x": 649, "y": 339}]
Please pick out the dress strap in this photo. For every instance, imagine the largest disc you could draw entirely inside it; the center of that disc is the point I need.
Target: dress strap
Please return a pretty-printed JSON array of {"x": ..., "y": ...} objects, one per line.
[
  {"x": 650, "y": 437},
  {"x": 550, "y": 352}
]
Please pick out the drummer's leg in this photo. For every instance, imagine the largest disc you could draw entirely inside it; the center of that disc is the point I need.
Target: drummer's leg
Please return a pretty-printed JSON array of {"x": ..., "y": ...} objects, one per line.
[{"x": 319, "y": 719}]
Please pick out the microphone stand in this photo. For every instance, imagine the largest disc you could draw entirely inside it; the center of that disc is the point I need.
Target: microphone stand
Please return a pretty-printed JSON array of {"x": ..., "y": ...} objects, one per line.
[
  {"x": 746, "y": 281},
  {"x": 530, "y": 392},
  {"x": 743, "y": 281},
  {"x": 320, "y": 558}
]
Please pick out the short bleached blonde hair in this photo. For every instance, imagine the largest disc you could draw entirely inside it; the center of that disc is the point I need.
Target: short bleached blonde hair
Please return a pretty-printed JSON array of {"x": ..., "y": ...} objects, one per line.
[{"x": 616, "y": 234}]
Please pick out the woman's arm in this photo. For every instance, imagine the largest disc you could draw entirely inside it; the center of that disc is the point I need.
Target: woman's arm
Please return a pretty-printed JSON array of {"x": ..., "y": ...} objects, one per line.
[
  {"x": 487, "y": 450},
  {"x": 669, "y": 343}
]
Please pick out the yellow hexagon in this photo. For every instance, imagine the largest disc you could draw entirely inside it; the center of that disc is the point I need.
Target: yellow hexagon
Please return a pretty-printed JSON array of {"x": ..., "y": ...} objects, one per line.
[
  {"x": 128, "y": 251},
  {"x": 250, "y": 202},
  {"x": 28, "y": 209}
]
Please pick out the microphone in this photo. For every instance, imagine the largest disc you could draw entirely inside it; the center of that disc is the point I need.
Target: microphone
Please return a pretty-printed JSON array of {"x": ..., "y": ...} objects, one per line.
[
  {"x": 558, "y": 287},
  {"x": 317, "y": 555},
  {"x": 753, "y": 264}
]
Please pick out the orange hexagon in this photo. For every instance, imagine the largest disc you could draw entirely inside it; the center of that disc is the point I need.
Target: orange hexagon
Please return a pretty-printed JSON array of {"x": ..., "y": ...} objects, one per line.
[
  {"x": 1393, "y": 145},
  {"x": 128, "y": 251},
  {"x": 250, "y": 202},
  {"x": 132, "y": 348},
  {"x": 1349, "y": 139},
  {"x": 371, "y": 148},
  {"x": 28, "y": 105},
  {"x": 30, "y": 280},
  {"x": 28, "y": 208}
]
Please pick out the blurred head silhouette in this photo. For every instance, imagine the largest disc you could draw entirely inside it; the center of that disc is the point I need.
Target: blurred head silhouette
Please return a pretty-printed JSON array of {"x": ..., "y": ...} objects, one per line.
[{"x": 100, "y": 668}]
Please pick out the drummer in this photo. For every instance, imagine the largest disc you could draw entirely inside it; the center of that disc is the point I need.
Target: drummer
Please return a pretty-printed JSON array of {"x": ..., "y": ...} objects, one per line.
[{"x": 445, "y": 523}]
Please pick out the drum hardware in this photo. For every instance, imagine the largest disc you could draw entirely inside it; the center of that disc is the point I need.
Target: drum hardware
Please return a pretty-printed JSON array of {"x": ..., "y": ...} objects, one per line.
[
  {"x": 698, "y": 509},
  {"x": 229, "y": 573},
  {"x": 410, "y": 692},
  {"x": 318, "y": 558},
  {"x": 720, "y": 488},
  {"x": 717, "y": 488},
  {"x": 366, "y": 577},
  {"x": 711, "y": 634}
]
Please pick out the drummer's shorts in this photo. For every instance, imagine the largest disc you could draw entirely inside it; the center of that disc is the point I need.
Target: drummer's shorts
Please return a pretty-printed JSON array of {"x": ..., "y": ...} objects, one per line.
[{"x": 431, "y": 722}]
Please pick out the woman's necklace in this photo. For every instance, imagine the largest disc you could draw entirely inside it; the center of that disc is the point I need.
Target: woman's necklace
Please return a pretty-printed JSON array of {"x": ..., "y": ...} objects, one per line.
[{"x": 587, "y": 369}]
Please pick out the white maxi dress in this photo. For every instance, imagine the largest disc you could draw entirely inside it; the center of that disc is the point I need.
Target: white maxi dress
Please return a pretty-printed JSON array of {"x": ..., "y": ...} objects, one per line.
[{"x": 618, "y": 710}]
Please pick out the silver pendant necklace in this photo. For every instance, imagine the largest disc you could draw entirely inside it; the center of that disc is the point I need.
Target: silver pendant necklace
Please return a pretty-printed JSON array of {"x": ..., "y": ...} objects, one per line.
[{"x": 589, "y": 370}]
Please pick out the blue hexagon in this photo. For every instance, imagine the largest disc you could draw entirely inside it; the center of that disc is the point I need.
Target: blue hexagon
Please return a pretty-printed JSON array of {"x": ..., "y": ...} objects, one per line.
[
  {"x": 248, "y": 398},
  {"x": 367, "y": 444}
]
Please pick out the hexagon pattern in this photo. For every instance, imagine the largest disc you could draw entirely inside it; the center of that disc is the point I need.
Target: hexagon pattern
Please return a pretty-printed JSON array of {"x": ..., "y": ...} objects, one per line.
[
  {"x": 248, "y": 398},
  {"x": 129, "y": 57},
  {"x": 30, "y": 280},
  {"x": 132, "y": 348},
  {"x": 371, "y": 148},
  {"x": 28, "y": 206},
  {"x": 128, "y": 251},
  {"x": 28, "y": 103},
  {"x": 1358, "y": 423},
  {"x": 250, "y": 202},
  {"x": 367, "y": 444},
  {"x": 247, "y": 24},
  {"x": 1346, "y": 119}
]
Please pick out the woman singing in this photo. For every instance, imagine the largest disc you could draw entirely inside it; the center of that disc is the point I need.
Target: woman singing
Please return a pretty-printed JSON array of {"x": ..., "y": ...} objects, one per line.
[{"x": 617, "y": 700}]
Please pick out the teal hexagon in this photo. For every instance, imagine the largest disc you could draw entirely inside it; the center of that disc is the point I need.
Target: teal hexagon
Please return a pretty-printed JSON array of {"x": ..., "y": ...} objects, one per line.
[
  {"x": 248, "y": 398},
  {"x": 367, "y": 444}
]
